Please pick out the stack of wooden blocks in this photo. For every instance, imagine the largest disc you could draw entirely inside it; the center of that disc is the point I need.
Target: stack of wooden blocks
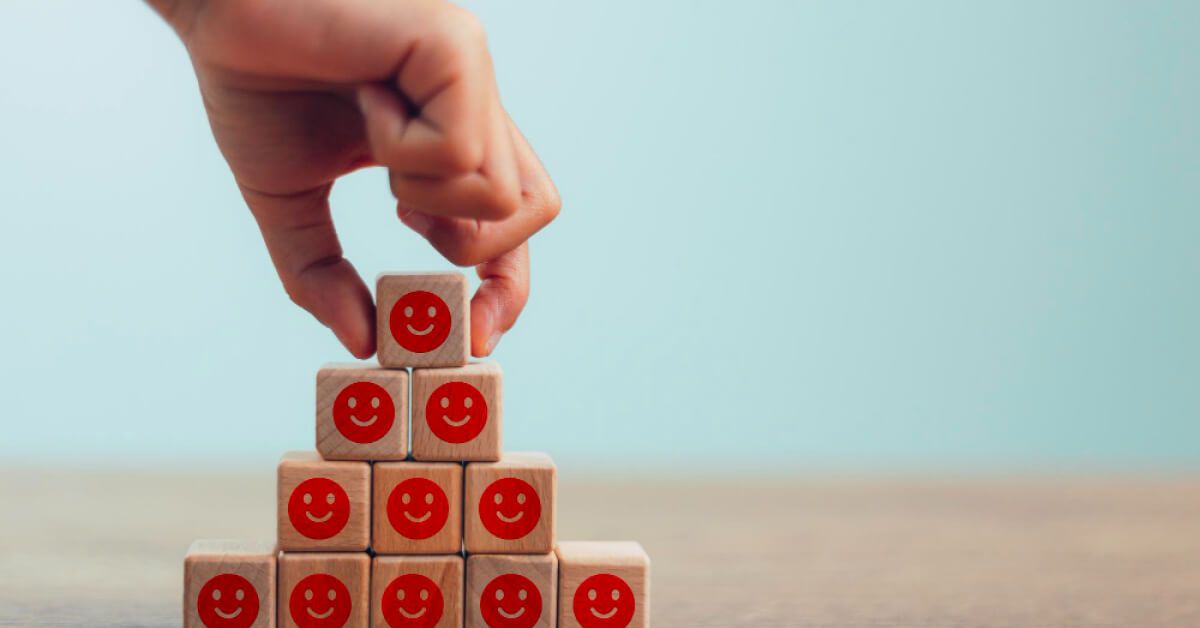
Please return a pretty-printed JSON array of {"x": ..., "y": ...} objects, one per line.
[{"x": 457, "y": 532}]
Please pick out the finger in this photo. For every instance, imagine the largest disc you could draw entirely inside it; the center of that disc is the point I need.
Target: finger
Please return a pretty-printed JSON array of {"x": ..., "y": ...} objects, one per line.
[
  {"x": 498, "y": 302},
  {"x": 299, "y": 234}
]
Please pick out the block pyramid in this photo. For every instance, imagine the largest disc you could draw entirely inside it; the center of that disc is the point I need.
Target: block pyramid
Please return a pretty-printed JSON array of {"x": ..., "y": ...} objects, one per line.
[{"x": 454, "y": 532}]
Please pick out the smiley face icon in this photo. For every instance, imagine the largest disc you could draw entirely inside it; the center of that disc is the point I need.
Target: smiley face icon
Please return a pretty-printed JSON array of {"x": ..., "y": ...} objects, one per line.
[
  {"x": 227, "y": 601},
  {"x": 363, "y": 412},
  {"x": 418, "y": 508},
  {"x": 420, "y": 321},
  {"x": 509, "y": 508},
  {"x": 510, "y": 601},
  {"x": 412, "y": 601},
  {"x": 603, "y": 601},
  {"x": 320, "y": 601},
  {"x": 318, "y": 508},
  {"x": 456, "y": 412}
]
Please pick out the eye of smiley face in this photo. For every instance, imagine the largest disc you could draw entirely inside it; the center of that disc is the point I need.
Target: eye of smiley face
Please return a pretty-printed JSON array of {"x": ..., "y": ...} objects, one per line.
[
  {"x": 418, "y": 508},
  {"x": 420, "y": 321},
  {"x": 318, "y": 508},
  {"x": 510, "y": 601},
  {"x": 603, "y": 601},
  {"x": 363, "y": 412},
  {"x": 456, "y": 412},
  {"x": 412, "y": 601},
  {"x": 227, "y": 601},
  {"x": 320, "y": 601},
  {"x": 509, "y": 508}
]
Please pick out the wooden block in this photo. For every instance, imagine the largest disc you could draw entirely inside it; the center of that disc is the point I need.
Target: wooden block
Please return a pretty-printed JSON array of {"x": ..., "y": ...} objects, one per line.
[
  {"x": 457, "y": 413},
  {"x": 514, "y": 591},
  {"x": 418, "y": 508},
  {"x": 319, "y": 589},
  {"x": 362, "y": 413},
  {"x": 603, "y": 584},
  {"x": 229, "y": 583},
  {"x": 509, "y": 505},
  {"x": 422, "y": 319},
  {"x": 417, "y": 591},
  {"x": 323, "y": 504}
]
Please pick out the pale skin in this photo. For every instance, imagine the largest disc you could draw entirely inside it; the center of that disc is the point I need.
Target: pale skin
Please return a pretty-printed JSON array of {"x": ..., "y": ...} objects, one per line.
[{"x": 302, "y": 92}]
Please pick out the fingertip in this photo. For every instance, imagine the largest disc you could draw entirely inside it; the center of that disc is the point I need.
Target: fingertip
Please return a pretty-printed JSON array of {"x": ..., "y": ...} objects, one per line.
[{"x": 482, "y": 326}]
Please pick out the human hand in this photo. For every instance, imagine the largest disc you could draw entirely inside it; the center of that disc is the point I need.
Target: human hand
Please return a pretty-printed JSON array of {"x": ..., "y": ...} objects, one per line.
[{"x": 301, "y": 93}]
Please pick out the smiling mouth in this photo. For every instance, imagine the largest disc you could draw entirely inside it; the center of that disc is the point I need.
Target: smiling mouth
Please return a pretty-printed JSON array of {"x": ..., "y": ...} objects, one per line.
[
  {"x": 413, "y": 330},
  {"x": 408, "y": 615},
  {"x": 354, "y": 420},
  {"x": 513, "y": 519},
  {"x": 223, "y": 615},
  {"x": 454, "y": 423},
  {"x": 612, "y": 611},
  {"x": 422, "y": 519},
  {"x": 321, "y": 519},
  {"x": 507, "y": 615},
  {"x": 326, "y": 614}
]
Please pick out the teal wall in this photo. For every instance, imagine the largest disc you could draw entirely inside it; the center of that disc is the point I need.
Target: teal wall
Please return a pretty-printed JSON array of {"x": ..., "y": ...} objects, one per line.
[{"x": 873, "y": 234}]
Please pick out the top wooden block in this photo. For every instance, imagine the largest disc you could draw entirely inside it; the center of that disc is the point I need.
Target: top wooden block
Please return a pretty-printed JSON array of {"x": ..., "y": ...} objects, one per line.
[{"x": 422, "y": 319}]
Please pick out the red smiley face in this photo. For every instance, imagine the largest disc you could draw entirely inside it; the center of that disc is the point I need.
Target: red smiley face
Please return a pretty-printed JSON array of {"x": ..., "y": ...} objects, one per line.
[
  {"x": 510, "y": 508},
  {"x": 318, "y": 508},
  {"x": 510, "y": 601},
  {"x": 417, "y": 508},
  {"x": 603, "y": 601},
  {"x": 420, "y": 321},
  {"x": 320, "y": 601},
  {"x": 412, "y": 601},
  {"x": 227, "y": 601},
  {"x": 363, "y": 412},
  {"x": 456, "y": 412}
]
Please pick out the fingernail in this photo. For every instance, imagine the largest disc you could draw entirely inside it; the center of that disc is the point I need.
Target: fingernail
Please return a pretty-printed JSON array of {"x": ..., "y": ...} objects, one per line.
[
  {"x": 367, "y": 99},
  {"x": 421, "y": 223},
  {"x": 493, "y": 341}
]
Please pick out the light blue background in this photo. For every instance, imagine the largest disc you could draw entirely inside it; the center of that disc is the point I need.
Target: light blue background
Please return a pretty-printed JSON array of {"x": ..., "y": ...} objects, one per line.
[{"x": 929, "y": 234}]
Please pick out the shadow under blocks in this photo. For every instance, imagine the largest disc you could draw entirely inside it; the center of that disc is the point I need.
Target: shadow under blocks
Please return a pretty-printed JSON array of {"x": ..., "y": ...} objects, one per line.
[{"x": 454, "y": 532}]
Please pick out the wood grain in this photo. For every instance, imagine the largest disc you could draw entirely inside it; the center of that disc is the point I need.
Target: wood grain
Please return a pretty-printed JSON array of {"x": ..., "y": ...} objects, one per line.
[
  {"x": 451, "y": 289},
  {"x": 447, "y": 572},
  {"x": 487, "y": 379},
  {"x": 537, "y": 470},
  {"x": 448, "y": 476},
  {"x": 332, "y": 380},
  {"x": 539, "y": 569}
]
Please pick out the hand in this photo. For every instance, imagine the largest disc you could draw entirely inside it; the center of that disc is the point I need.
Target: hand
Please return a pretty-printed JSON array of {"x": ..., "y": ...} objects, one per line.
[{"x": 301, "y": 93}]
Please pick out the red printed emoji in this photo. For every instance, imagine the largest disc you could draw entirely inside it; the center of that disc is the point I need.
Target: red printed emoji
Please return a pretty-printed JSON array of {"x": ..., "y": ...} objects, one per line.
[
  {"x": 603, "y": 601},
  {"x": 412, "y": 601},
  {"x": 510, "y": 508},
  {"x": 319, "y": 508},
  {"x": 417, "y": 508},
  {"x": 510, "y": 601},
  {"x": 320, "y": 601},
  {"x": 456, "y": 412},
  {"x": 227, "y": 601},
  {"x": 420, "y": 321},
  {"x": 363, "y": 412}
]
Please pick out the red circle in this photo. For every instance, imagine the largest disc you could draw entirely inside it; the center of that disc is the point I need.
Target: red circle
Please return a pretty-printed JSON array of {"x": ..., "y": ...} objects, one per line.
[
  {"x": 603, "y": 601},
  {"x": 319, "y": 508},
  {"x": 456, "y": 412},
  {"x": 417, "y": 508},
  {"x": 227, "y": 601},
  {"x": 363, "y": 412},
  {"x": 404, "y": 607},
  {"x": 320, "y": 601},
  {"x": 420, "y": 321},
  {"x": 510, "y": 508},
  {"x": 510, "y": 601}
]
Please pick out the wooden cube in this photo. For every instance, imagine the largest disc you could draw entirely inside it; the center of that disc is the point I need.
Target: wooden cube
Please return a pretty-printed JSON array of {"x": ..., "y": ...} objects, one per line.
[
  {"x": 457, "y": 413},
  {"x": 323, "y": 504},
  {"x": 603, "y": 584},
  {"x": 418, "y": 508},
  {"x": 514, "y": 591},
  {"x": 509, "y": 505},
  {"x": 417, "y": 591},
  {"x": 422, "y": 319},
  {"x": 229, "y": 583},
  {"x": 362, "y": 413},
  {"x": 324, "y": 589}
]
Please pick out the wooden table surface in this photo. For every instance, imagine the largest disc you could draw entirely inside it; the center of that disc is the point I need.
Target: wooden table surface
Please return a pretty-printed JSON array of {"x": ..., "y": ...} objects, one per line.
[{"x": 105, "y": 548}]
